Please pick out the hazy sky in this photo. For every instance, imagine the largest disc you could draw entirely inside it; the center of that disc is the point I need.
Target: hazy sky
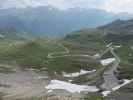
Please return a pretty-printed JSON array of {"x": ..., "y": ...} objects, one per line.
[{"x": 108, "y": 5}]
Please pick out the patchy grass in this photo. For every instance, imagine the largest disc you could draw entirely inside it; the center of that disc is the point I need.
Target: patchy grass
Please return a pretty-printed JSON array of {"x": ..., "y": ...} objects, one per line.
[
  {"x": 73, "y": 64},
  {"x": 30, "y": 54},
  {"x": 94, "y": 97},
  {"x": 124, "y": 93},
  {"x": 33, "y": 54},
  {"x": 126, "y": 66},
  {"x": 89, "y": 41},
  {"x": 34, "y": 98}
]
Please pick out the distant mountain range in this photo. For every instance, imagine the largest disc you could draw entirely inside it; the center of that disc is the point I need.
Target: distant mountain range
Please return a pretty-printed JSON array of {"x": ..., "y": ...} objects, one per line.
[
  {"x": 120, "y": 26},
  {"x": 118, "y": 31},
  {"x": 54, "y": 22}
]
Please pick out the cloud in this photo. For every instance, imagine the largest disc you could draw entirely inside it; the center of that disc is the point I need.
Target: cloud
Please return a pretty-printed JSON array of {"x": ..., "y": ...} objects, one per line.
[
  {"x": 108, "y": 5},
  {"x": 61, "y": 4},
  {"x": 118, "y": 6}
]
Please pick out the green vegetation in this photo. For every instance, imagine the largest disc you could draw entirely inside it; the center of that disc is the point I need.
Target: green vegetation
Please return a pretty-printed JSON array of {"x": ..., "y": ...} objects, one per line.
[
  {"x": 29, "y": 54},
  {"x": 126, "y": 66},
  {"x": 89, "y": 41},
  {"x": 94, "y": 97},
  {"x": 13, "y": 34},
  {"x": 33, "y": 54},
  {"x": 72, "y": 64},
  {"x": 124, "y": 93},
  {"x": 93, "y": 41},
  {"x": 1, "y": 95},
  {"x": 30, "y": 99},
  {"x": 17, "y": 51},
  {"x": 6, "y": 69}
]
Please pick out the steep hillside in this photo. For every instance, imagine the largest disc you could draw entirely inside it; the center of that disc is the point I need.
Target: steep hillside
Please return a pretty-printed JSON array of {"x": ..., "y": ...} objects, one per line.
[
  {"x": 34, "y": 54},
  {"x": 86, "y": 40},
  {"x": 120, "y": 26},
  {"x": 94, "y": 40},
  {"x": 119, "y": 31}
]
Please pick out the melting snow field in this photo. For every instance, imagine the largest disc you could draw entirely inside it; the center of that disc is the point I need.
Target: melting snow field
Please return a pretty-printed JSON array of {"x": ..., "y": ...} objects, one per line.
[
  {"x": 108, "y": 61},
  {"x": 72, "y": 88},
  {"x": 77, "y": 74}
]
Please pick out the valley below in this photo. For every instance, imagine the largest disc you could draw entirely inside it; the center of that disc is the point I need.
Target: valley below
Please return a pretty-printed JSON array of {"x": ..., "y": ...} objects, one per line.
[
  {"x": 17, "y": 83},
  {"x": 90, "y": 64}
]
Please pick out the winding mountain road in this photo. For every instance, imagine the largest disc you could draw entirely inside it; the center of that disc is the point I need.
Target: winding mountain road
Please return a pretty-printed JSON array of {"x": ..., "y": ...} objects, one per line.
[
  {"x": 53, "y": 54},
  {"x": 110, "y": 80},
  {"x": 65, "y": 53}
]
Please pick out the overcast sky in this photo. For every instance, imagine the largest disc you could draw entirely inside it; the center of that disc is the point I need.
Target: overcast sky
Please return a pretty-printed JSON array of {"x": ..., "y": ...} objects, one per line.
[{"x": 108, "y": 5}]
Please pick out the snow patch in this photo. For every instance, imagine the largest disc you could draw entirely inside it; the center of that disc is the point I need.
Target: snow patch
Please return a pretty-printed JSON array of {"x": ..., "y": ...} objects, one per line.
[
  {"x": 70, "y": 81},
  {"x": 106, "y": 93},
  {"x": 97, "y": 55},
  {"x": 108, "y": 61},
  {"x": 72, "y": 88},
  {"x": 126, "y": 81},
  {"x": 49, "y": 91},
  {"x": 77, "y": 74},
  {"x": 43, "y": 77},
  {"x": 117, "y": 46}
]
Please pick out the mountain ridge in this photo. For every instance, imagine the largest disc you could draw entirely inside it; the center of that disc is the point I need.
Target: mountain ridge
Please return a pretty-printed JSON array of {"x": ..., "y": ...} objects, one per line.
[{"x": 49, "y": 21}]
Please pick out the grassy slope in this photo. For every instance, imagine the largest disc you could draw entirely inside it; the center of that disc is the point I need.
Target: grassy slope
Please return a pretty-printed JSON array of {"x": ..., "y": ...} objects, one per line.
[
  {"x": 29, "y": 53},
  {"x": 120, "y": 34},
  {"x": 89, "y": 41},
  {"x": 125, "y": 93},
  {"x": 126, "y": 65},
  {"x": 94, "y": 97},
  {"x": 33, "y": 54}
]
